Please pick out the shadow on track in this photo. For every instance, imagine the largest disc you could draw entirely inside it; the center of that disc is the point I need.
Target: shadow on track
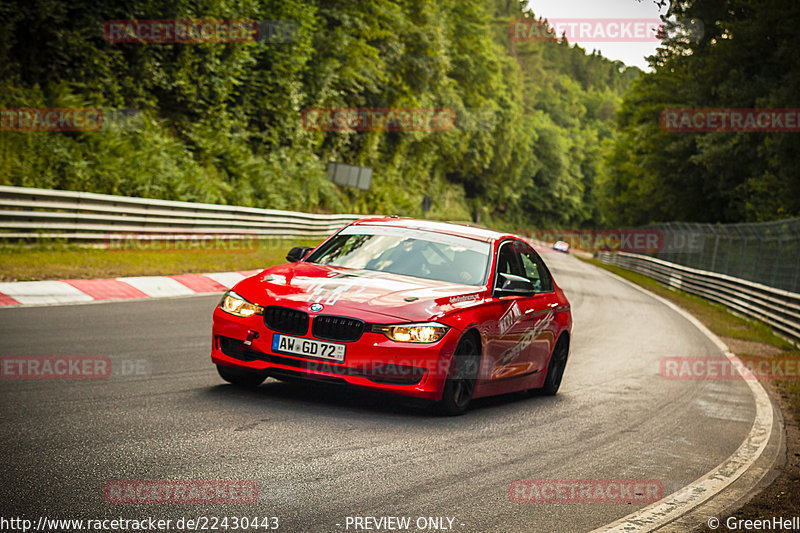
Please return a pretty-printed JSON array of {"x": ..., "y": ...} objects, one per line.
[{"x": 331, "y": 400}]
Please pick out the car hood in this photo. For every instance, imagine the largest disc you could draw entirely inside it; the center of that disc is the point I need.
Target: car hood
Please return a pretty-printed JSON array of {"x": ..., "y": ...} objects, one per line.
[{"x": 379, "y": 297}]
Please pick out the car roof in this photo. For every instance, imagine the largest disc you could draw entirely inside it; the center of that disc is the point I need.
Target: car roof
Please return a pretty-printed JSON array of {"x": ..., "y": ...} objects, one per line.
[{"x": 448, "y": 228}]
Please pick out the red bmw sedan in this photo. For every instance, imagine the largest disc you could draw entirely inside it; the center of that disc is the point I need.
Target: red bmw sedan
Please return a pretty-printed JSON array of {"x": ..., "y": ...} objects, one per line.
[{"x": 437, "y": 311}]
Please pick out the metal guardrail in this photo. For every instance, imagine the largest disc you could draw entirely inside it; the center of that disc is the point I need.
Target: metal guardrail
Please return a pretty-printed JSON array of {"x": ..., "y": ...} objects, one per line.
[
  {"x": 42, "y": 213},
  {"x": 778, "y": 308}
]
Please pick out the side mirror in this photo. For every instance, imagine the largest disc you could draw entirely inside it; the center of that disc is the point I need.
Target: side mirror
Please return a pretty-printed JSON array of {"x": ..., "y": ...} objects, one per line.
[
  {"x": 511, "y": 285},
  {"x": 297, "y": 253}
]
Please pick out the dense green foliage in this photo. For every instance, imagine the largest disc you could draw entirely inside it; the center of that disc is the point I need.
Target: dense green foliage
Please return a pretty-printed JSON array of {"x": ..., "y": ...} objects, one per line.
[
  {"x": 222, "y": 122},
  {"x": 746, "y": 58}
]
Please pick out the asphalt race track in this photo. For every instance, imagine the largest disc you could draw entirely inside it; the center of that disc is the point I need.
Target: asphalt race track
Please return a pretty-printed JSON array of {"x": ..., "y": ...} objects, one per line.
[{"x": 322, "y": 453}]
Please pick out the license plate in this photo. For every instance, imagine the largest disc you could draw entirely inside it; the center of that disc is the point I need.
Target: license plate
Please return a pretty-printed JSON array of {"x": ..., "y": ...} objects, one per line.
[{"x": 308, "y": 347}]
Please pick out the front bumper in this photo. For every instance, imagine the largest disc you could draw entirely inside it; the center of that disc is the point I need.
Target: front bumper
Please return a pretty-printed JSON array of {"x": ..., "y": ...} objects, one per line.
[{"x": 373, "y": 361}]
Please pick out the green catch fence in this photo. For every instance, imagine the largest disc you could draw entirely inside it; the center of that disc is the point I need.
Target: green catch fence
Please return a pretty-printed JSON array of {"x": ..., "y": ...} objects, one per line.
[{"x": 764, "y": 252}]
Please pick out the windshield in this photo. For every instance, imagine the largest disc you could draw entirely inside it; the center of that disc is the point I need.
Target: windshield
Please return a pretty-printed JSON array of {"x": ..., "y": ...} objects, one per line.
[{"x": 410, "y": 252}]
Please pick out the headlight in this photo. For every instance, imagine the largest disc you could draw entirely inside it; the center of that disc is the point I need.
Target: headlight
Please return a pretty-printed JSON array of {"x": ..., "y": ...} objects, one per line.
[
  {"x": 426, "y": 332},
  {"x": 236, "y": 305}
]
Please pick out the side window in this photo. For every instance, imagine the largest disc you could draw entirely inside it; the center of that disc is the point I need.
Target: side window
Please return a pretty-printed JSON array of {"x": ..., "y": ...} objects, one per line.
[
  {"x": 508, "y": 261},
  {"x": 532, "y": 272},
  {"x": 536, "y": 271}
]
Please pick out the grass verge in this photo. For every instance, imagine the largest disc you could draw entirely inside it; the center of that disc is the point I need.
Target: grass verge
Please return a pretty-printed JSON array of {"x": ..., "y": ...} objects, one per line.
[
  {"x": 746, "y": 338},
  {"x": 60, "y": 260}
]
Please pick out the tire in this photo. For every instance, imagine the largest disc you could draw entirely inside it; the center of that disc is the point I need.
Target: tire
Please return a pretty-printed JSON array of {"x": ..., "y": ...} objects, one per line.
[
  {"x": 555, "y": 370},
  {"x": 241, "y": 377},
  {"x": 460, "y": 384}
]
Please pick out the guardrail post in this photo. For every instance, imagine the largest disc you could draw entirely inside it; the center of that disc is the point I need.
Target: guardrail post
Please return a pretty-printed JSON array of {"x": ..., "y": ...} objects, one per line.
[
  {"x": 754, "y": 274},
  {"x": 745, "y": 243},
  {"x": 728, "y": 255},
  {"x": 796, "y": 267},
  {"x": 775, "y": 265},
  {"x": 714, "y": 253}
]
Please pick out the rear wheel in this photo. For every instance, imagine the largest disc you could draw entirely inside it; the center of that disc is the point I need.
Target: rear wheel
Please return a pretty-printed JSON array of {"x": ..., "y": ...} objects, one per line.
[
  {"x": 555, "y": 370},
  {"x": 460, "y": 383},
  {"x": 241, "y": 377}
]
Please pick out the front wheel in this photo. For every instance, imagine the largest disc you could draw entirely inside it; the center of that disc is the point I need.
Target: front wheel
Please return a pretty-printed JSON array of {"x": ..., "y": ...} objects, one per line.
[
  {"x": 555, "y": 370},
  {"x": 240, "y": 377},
  {"x": 460, "y": 383}
]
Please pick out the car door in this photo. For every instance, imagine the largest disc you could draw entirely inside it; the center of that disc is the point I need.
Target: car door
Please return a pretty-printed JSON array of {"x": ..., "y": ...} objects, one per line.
[
  {"x": 510, "y": 336},
  {"x": 540, "y": 315}
]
